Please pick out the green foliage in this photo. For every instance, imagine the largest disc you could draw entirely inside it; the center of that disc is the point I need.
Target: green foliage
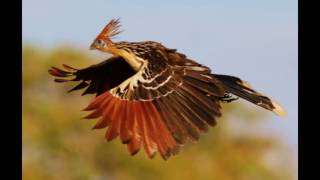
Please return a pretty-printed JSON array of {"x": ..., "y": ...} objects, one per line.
[{"x": 58, "y": 144}]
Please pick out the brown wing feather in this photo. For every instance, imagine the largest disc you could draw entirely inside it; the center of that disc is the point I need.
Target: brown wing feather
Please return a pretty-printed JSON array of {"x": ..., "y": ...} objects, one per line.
[
  {"x": 135, "y": 143},
  {"x": 97, "y": 78}
]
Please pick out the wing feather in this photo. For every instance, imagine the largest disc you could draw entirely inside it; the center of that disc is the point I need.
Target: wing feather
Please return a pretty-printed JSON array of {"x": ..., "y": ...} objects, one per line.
[
  {"x": 135, "y": 143},
  {"x": 116, "y": 117},
  {"x": 125, "y": 134}
]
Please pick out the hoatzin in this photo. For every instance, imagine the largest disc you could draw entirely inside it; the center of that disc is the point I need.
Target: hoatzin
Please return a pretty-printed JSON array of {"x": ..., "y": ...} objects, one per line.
[{"x": 153, "y": 96}]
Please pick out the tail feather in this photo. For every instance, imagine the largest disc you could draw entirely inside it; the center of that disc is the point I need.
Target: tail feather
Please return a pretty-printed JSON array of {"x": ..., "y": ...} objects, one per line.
[{"x": 243, "y": 90}]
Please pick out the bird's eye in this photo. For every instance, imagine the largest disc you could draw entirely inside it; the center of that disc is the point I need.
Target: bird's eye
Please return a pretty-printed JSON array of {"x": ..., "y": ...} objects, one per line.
[{"x": 100, "y": 43}]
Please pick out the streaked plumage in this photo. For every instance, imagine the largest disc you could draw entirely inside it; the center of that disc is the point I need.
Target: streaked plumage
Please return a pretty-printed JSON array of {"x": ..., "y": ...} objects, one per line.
[{"x": 152, "y": 96}]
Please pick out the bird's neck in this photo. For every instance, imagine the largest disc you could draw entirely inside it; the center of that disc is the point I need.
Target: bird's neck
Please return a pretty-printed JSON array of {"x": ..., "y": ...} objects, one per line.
[{"x": 134, "y": 61}]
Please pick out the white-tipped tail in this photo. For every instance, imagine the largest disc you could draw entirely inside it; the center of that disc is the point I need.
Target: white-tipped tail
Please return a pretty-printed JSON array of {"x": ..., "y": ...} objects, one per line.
[{"x": 278, "y": 109}]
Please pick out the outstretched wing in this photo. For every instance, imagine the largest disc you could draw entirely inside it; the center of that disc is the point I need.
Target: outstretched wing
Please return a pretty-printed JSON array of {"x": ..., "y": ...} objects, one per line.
[
  {"x": 170, "y": 100},
  {"x": 97, "y": 78}
]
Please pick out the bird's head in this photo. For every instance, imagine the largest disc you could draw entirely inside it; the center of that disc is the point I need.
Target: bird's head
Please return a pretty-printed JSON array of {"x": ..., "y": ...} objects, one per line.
[{"x": 103, "y": 41}]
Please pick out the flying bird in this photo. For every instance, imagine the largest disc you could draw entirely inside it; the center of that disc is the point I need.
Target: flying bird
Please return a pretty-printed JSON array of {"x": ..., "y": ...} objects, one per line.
[{"x": 152, "y": 96}]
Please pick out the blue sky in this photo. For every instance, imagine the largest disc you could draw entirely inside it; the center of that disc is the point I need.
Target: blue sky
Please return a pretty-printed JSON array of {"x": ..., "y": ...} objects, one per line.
[{"x": 255, "y": 40}]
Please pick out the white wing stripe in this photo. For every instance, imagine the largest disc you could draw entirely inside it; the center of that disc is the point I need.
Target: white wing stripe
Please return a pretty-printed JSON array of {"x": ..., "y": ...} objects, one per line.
[{"x": 159, "y": 85}]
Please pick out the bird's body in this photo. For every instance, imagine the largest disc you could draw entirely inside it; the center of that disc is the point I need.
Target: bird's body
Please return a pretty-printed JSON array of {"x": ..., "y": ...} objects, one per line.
[{"x": 153, "y": 96}]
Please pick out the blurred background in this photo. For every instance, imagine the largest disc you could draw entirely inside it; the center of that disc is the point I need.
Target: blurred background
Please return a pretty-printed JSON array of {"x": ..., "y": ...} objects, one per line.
[{"x": 255, "y": 40}]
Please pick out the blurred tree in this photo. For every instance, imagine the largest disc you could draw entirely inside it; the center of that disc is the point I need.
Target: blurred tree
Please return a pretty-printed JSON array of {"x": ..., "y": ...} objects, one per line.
[{"x": 58, "y": 145}]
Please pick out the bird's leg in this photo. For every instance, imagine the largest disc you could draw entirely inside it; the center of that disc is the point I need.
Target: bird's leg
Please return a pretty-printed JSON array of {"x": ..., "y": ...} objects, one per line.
[{"x": 228, "y": 98}]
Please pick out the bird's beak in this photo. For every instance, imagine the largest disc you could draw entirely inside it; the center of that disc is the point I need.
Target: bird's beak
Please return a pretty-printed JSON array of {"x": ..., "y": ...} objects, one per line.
[{"x": 92, "y": 47}]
